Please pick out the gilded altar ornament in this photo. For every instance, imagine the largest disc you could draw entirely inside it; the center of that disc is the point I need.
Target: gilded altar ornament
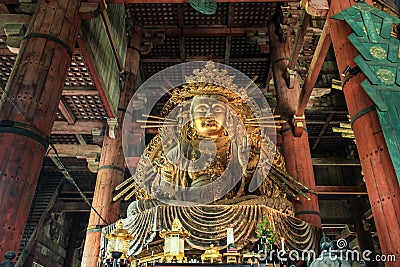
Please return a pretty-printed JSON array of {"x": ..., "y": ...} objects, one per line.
[
  {"x": 212, "y": 255},
  {"x": 174, "y": 245},
  {"x": 118, "y": 241}
]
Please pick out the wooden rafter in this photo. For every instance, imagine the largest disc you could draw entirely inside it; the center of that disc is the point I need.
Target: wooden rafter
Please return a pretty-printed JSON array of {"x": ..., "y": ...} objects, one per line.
[
  {"x": 89, "y": 57},
  {"x": 315, "y": 67},
  {"x": 323, "y": 130},
  {"x": 111, "y": 37},
  {"x": 66, "y": 112},
  {"x": 181, "y": 24},
  {"x": 178, "y": 60},
  {"x": 341, "y": 162},
  {"x": 3, "y": 9},
  {"x": 207, "y": 31},
  {"x": 80, "y": 92},
  {"x": 79, "y": 127},
  {"x": 14, "y": 18},
  {"x": 322, "y": 122},
  {"x": 340, "y": 190},
  {"x": 74, "y": 150},
  {"x": 299, "y": 40}
]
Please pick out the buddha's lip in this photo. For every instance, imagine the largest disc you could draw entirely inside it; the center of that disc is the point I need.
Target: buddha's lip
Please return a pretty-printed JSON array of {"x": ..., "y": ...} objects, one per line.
[{"x": 210, "y": 122}]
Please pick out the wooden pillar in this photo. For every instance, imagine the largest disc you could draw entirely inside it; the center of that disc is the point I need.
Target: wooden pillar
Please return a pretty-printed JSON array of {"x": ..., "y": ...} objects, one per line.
[
  {"x": 112, "y": 164},
  {"x": 28, "y": 110},
  {"x": 364, "y": 236},
  {"x": 296, "y": 150},
  {"x": 379, "y": 174}
]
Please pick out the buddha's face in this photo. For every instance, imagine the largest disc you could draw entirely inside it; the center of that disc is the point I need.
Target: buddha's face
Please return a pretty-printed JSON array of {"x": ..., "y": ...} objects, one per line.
[{"x": 209, "y": 115}]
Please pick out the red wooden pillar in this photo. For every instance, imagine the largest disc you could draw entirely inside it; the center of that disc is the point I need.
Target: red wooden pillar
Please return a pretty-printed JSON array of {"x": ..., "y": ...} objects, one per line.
[
  {"x": 380, "y": 177},
  {"x": 28, "y": 109},
  {"x": 296, "y": 150},
  {"x": 112, "y": 165}
]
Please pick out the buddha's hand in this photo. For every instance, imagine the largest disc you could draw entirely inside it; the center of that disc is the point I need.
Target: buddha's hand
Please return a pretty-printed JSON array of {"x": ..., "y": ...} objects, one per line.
[{"x": 168, "y": 172}]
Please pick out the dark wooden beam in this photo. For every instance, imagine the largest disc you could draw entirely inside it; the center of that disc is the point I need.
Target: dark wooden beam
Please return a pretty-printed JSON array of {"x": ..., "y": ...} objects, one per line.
[
  {"x": 162, "y": 59},
  {"x": 70, "y": 168},
  {"x": 89, "y": 58},
  {"x": 244, "y": 60},
  {"x": 322, "y": 122},
  {"x": 340, "y": 190},
  {"x": 187, "y": 1},
  {"x": 79, "y": 127},
  {"x": 327, "y": 71},
  {"x": 80, "y": 206},
  {"x": 315, "y": 67},
  {"x": 299, "y": 40},
  {"x": 66, "y": 112},
  {"x": 228, "y": 40},
  {"x": 181, "y": 24},
  {"x": 14, "y": 18},
  {"x": 74, "y": 150},
  {"x": 323, "y": 130},
  {"x": 336, "y": 109},
  {"x": 45, "y": 260},
  {"x": 326, "y": 137},
  {"x": 178, "y": 60},
  {"x": 51, "y": 245},
  {"x": 228, "y": 43},
  {"x": 10, "y": 2},
  {"x": 77, "y": 198},
  {"x": 342, "y": 162},
  {"x": 111, "y": 37},
  {"x": 368, "y": 215},
  {"x": 83, "y": 92},
  {"x": 207, "y": 31},
  {"x": 4, "y": 51},
  {"x": 71, "y": 206},
  {"x": 4, "y": 9}
]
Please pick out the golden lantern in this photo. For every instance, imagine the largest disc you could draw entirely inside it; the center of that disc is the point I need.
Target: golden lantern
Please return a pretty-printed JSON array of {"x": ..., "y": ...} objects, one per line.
[
  {"x": 211, "y": 254},
  {"x": 174, "y": 244},
  {"x": 118, "y": 243}
]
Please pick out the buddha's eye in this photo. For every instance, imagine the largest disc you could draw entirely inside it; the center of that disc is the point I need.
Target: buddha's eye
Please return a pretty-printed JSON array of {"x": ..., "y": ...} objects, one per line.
[
  {"x": 218, "y": 108},
  {"x": 202, "y": 108}
]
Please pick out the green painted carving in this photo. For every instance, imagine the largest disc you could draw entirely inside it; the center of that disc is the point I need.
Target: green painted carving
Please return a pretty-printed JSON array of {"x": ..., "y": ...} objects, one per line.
[{"x": 379, "y": 59}]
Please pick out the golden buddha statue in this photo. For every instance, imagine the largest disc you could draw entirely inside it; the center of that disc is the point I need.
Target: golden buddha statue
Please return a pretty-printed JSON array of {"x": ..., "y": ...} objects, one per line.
[{"x": 213, "y": 166}]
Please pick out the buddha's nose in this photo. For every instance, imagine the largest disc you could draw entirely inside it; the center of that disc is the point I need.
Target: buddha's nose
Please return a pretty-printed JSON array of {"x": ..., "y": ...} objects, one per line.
[{"x": 209, "y": 114}]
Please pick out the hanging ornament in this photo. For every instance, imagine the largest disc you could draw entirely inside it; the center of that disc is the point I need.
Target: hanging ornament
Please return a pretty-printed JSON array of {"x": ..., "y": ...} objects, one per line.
[{"x": 208, "y": 7}]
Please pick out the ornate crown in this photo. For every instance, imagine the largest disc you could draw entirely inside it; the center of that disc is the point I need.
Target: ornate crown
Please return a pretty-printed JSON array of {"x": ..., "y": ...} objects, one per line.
[{"x": 211, "y": 81}]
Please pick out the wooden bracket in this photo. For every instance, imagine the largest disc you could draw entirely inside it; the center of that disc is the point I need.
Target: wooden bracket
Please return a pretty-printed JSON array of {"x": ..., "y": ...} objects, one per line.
[
  {"x": 14, "y": 26},
  {"x": 93, "y": 161},
  {"x": 290, "y": 77},
  {"x": 298, "y": 125},
  {"x": 112, "y": 127}
]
